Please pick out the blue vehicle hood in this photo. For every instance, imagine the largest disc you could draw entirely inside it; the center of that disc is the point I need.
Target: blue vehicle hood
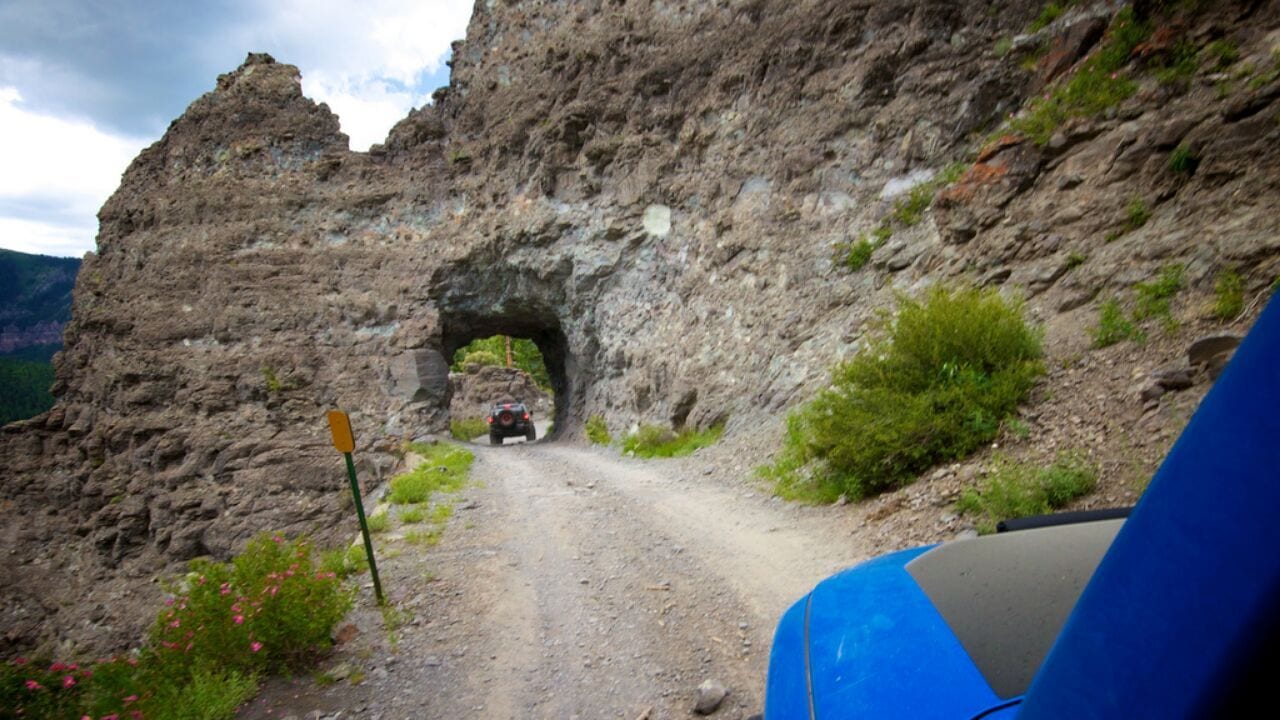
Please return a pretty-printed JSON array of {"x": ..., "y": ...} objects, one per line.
[{"x": 867, "y": 634}]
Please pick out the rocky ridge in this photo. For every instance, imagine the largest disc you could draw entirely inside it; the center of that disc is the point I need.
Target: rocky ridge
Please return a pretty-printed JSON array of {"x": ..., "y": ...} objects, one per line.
[{"x": 661, "y": 186}]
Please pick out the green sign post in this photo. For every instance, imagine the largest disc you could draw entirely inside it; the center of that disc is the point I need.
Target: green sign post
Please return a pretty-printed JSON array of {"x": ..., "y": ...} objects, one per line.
[{"x": 344, "y": 441}]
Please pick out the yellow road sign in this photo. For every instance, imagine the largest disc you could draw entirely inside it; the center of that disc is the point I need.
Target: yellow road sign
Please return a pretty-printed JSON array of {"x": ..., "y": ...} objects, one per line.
[{"x": 340, "y": 425}]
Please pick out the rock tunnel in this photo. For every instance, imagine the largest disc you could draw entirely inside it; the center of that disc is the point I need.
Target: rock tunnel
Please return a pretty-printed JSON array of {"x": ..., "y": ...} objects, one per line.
[{"x": 474, "y": 305}]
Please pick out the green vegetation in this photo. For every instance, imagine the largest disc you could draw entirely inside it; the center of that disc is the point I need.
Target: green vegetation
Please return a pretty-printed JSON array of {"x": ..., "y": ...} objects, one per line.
[
  {"x": 1003, "y": 46},
  {"x": 1014, "y": 490},
  {"x": 907, "y": 212},
  {"x": 1098, "y": 85},
  {"x": 468, "y": 429},
  {"x": 1181, "y": 64},
  {"x": 1114, "y": 327},
  {"x": 1075, "y": 259},
  {"x": 656, "y": 441},
  {"x": 1048, "y": 14},
  {"x": 36, "y": 288},
  {"x": 1154, "y": 297},
  {"x": 1228, "y": 295},
  {"x": 225, "y": 626},
  {"x": 443, "y": 470},
  {"x": 598, "y": 431},
  {"x": 1222, "y": 53},
  {"x": 1183, "y": 160},
  {"x": 1136, "y": 213},
  {"x": 933, "y": 386},
  {"x": 24, "y": 389},
  {"x": 344, "y": 562},
  {"x": 1152, "y": 302},
  {"x": 493, "y": 351},
  {"x": 411, "y": 515},
  {"x": 378, "y": 522}
]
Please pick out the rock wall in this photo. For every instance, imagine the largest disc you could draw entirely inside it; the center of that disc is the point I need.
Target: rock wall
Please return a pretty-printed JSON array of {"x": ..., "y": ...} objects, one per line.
[{"x": 651, "y": 191}]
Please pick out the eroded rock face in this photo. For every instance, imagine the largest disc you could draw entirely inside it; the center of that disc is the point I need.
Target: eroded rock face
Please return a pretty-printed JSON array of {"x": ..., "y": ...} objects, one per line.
[{"x": 650, "y": 191}]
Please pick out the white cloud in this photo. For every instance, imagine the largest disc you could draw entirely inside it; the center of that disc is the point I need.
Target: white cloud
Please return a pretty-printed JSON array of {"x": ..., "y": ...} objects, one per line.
[
  {"x": 367, "y": 65},
  {"x": 66, "y": 167}
]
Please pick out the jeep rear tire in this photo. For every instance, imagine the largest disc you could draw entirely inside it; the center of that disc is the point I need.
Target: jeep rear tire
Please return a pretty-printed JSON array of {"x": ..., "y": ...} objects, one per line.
[{"x": 531, "y": 434}]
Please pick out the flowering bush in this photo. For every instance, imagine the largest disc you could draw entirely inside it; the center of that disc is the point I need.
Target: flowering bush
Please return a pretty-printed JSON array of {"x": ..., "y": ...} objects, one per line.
[
  {"x": 226, "y": 624},
  {"x": 268, "y": 610}
]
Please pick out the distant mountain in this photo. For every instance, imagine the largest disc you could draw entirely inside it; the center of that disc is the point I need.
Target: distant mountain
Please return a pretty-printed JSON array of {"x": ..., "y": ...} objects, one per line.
[
  {"x": 35, "y": 299},
  {"x": 35, "y": 304}
]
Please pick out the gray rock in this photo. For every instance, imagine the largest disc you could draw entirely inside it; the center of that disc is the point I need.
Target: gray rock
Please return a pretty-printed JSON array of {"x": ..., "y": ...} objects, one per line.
[
  {"x": 1173, "y": 378},
  {"x": 1212, "y": 350},
  {"x": 710, "y": 694}
]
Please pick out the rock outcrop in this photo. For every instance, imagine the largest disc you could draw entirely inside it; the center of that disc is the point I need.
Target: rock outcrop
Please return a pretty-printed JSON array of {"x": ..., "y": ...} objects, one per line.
[{"x": 659, "y": 187}]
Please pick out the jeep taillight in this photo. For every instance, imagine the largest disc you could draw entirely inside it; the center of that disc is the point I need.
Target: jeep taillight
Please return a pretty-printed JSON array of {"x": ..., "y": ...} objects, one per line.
[
  {"x": 526, "y": 416},
  {"x": 489, "y": 419}
]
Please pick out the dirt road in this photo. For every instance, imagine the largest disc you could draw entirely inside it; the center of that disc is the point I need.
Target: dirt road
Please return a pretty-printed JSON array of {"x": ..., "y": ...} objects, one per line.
[{"x": 572, "y": 583}]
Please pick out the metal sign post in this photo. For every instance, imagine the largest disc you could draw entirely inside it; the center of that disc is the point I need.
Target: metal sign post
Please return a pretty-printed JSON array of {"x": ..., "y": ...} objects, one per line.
[{"x": 344, "y": 441}]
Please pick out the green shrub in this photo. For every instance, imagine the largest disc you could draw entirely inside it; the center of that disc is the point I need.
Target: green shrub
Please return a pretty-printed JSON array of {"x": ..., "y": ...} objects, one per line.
[
  {"x": 1183, "y": 160},
  {"x": 444, "y": 469},
  {"x": 1048, "y": 14},
  {"x": 1097, "y": 86},
  {"x": 934, "y": 386},
  {"x": 1222, "y": 53},
  {"x": 656, "y": 441},
  {"x": 1229, "y": 295},
  {"x": 1014, "y": 490},
  {"x": 1154, "y": 297},
  {"x": 1114, "y": 327},
  {"x": 859, "y": 254},
  {"x": 345, "y": 561},
  {"x": 227, "y": 624},
  {"x": 411, "y": 515},
  {"x": 598, "y": 431},
  {"x": 269, "y": 609},
  {"x": 378, "y": 522},
  {"x": 1180, "y": 65},
  {"x": 479, "y": 359},
  {"x": 468, "y": 429},
  {"x": 1075, "y": 260},
  {"x": 1136, "y": 214}
]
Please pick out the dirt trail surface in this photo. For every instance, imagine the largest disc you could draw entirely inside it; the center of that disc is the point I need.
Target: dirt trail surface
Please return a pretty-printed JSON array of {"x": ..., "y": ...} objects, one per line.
[{"x": 572, "y": 583}]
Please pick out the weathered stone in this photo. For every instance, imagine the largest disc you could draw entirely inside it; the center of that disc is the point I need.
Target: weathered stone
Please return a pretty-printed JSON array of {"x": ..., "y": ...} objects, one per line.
[
  {"x": 710, "y": 694},
  {"x": 1210, "y": 349}
]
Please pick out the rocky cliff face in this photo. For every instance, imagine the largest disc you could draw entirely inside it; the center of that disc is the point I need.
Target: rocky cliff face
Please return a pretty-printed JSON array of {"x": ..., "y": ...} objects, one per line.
[{"x": 660, "y": 186}]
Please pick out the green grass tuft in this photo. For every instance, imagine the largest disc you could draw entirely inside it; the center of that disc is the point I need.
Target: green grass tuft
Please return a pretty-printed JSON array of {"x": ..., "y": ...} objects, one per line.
[
  {"x": 1183, "y": 160},
  {"x": 1014, "y": 490},
  {"x": 1154, "y": 297},
  {"x": 468, "y": 429},
  {"x": 598, "y": 431},
  {"x": 1228, "y": 296},
  {"x": 443, "y": 470},
  {"x": 656, "y": 441},
  {"x": 934, "y": 386},
  {"x": 378, "y": 522},
  {"x": 1113, "y": 326},
  {"x": 411, "y": 515},
  {"x": 1136, "y": 213},
  {"x": 1096, "y": 87}
]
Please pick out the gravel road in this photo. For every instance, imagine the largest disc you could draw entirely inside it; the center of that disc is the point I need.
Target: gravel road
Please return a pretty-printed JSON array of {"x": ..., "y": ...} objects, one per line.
[{"x": 572, "y": 583}]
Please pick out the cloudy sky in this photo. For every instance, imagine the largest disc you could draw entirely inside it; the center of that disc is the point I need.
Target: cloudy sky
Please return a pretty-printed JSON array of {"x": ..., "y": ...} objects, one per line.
[{"x": 86, "y": 84}]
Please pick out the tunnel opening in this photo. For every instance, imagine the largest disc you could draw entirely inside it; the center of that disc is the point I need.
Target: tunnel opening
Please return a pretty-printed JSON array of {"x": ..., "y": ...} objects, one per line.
[
  {"x": 495, "y": 370},
  {"x": 463, "y": 324}
]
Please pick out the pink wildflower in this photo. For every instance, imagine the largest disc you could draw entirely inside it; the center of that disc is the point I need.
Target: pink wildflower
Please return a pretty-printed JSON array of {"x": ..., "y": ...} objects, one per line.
[
  {"x": 57, "y": 667},
  {"x": 130, "y": 699},
  {"x": 175, "y": 623},
  {"x": 238, "y": 619},
  {"x": 168, "y": 601},
  {"x": 226, "y": 588},
  {"x": 277, "y": 539},
  {"x": 33, "y": 685},
  {"x": 20, "y": 661},
  {"x": 68, "y": 681},
  {"x": 255, "y": 646}
]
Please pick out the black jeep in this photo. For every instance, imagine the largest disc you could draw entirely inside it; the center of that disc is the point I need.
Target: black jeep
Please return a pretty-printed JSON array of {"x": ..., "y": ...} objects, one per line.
[{"x": 510, "y": 419}]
